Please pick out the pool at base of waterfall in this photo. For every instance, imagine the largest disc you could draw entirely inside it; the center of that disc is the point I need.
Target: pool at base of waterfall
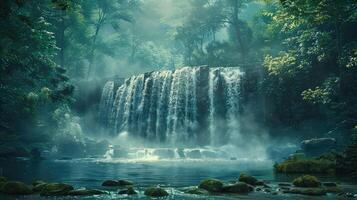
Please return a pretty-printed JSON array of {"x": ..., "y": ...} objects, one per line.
[{"x": 172, "y": 175}]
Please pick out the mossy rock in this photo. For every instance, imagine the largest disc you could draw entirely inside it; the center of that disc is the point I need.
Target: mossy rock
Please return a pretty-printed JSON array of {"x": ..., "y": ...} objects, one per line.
[
  {"x": 329, "y": 184},
  {"x": 306, "y": 181},
  {"x": 125, "y": 182},
  {"x": 239, "y": 188},
  {"x": 155, "y": 192},
  {"x": 110, "y": 183},
  {"x": 85, "y": 192},
  {"x": 306, "y": 165},
  {"x": 194, "y": 190},
  {"x": 39, "y": 187},
  {"x": 309, "y": 192},
  {"x": 211, "y": 185},
  {"x": 15, "y": 188},
  {"x": 117, "y": 183},
  {"x": 247, "y": 179},
  {"x": 38, "y": 182},
  {"x": 56, "y": 189},
  {"x": 128, "y": 191},
  {"x": 333, "y": 190}
]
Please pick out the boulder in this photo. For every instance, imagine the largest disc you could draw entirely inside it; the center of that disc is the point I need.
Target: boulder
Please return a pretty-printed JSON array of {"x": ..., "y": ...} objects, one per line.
[
  {"x": 85, "y": 192},
  {"x": 15, "y": 188},
  {"x": 194, "y": 190},
  {"x": 247, "y": 179},
  {"x": 38, "y": 182},
  {"x": 38, "y": 187},
  {"x": 211, "y": 185},
  {"x": 155, "y": 192},
  {"x": 123, "y": 182},
  {"x": 310, "y": 191},
  {"x": 56, "y": 189},
  {"x": 329, "y": 184},
  {"x": 117, "y": 183},
  {"x": 306, "y": 181},
  {"x": 110, "y": 183},
  {"x": 128, "y": 191},
  {"x": 239, "y": 188}
]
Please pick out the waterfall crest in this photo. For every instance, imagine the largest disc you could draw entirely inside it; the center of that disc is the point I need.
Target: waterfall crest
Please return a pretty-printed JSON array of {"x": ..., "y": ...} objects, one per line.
[{"x": 187, "y": 106}]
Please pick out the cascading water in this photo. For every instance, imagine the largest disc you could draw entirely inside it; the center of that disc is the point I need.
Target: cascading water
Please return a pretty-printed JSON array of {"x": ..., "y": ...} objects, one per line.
[{"x": 189, "y": 106}]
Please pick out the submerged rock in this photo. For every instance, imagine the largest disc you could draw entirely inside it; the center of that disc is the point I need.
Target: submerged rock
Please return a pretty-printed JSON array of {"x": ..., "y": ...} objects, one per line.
[
  {"x": 211, "y": 185},
  {"x": 194, "y": 190},
  {"x": 15, "y": 188},
  {"x": 310, "y": 191},
  {"x": 306, "y": 181},
  {"x": 329, "y": 184},
  {"x": 116, "y": 183},
  {"x": 56, "y": 189},
  {"x": 247, "y": 179},
  {"x": 85, "y": 192},
  {"x": 155, "y": 192},
  {"x": 128, "y": 191},
  {"x": 239, "y": 188}
]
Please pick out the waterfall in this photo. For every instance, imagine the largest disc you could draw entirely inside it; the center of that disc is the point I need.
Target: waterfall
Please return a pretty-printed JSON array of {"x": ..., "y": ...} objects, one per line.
[{"x": 187, "y": 106}]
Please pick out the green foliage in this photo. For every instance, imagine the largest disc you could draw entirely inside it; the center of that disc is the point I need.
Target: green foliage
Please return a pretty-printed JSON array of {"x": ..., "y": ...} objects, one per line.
[
  {"x": 323, "y": 165},
  {"x": 30, "y": 78},
  {"x": 306, "y": 181}
]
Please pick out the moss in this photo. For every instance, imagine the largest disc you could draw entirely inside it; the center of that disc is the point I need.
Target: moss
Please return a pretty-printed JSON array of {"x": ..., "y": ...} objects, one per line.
[
  {"x": 15, "y": 188},
  {"x": 155, "y": 192},
  {"x": 113, "y": 183},
  {"x": 306, "y": 181},
  {"x": 239, "y": 188},
  {"x": 56, "y": 189},
  {"x": 247, "y": 179},
  {"x": 310, "y": 191},
  {"x": 125, "y": 182},
  {"x": 320, "y": 165},
  {"x": 211, "y": 185},
  {"x": 85, "y": 192},
  {"x": 38, "y": 187},
  {"x": 37, "y": 182}
]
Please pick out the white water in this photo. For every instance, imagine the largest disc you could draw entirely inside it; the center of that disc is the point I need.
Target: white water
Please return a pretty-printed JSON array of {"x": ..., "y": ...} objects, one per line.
[{"x": 186, "y": 107}]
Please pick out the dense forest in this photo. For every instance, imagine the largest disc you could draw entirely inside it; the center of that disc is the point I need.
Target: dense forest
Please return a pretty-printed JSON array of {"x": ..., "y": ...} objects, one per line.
[{"x": 306, "y": 52}]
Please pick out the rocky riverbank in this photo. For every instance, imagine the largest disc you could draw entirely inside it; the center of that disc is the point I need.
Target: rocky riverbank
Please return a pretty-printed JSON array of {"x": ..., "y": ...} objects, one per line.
[{"x": 244, "y": 185}]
